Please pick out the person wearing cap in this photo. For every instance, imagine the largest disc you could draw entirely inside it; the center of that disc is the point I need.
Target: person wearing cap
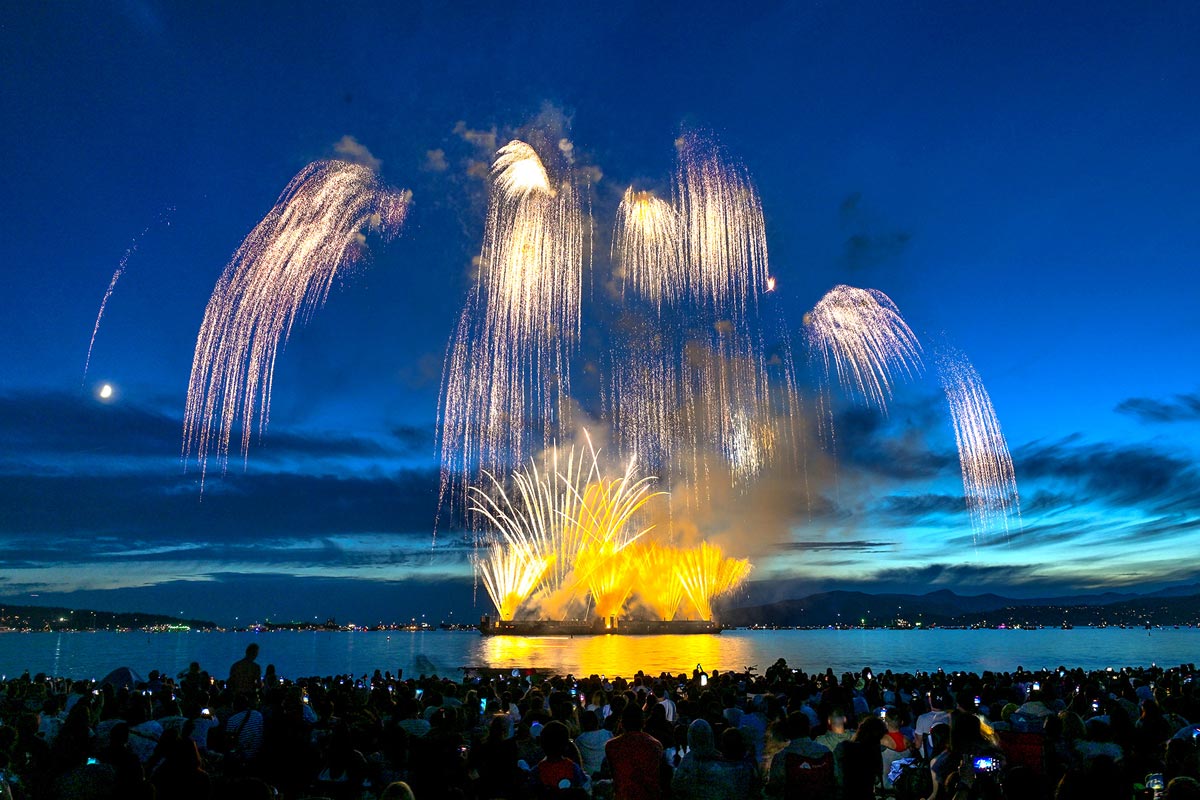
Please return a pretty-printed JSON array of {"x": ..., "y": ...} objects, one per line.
[{"x": 935, "y": 716}]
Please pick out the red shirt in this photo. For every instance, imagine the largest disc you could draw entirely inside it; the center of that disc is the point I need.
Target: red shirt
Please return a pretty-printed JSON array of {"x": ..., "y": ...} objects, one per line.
[{"x": 635, "y": 758}]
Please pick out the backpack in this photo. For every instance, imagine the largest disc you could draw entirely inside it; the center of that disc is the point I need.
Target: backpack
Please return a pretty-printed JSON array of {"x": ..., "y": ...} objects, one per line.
[
  {"x": 808, "y": 777},
  {"x": 914, "y": 779}
]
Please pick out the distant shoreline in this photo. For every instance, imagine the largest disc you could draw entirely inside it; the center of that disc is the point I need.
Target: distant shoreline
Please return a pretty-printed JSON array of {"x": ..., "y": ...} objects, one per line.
[{"x": 282, "y": 628}]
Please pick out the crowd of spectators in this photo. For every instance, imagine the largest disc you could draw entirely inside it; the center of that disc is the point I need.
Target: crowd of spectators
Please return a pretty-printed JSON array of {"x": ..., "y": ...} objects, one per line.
[{"x": 1063, "y": 734}]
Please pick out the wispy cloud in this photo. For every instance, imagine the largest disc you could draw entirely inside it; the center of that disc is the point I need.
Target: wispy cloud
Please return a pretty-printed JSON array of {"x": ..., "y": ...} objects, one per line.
[
  {"x": 60, "y": 432},
  {"x": 897, "y": 447},
  {"x": 860, "y": 545},
  {"x": 921, "y": 506},
  {"x": 1181, "y": 408}
]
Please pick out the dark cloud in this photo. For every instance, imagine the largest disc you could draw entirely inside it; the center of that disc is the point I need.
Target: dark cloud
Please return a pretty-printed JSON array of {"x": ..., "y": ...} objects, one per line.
[
  {"x": 1166, "y": 526},
  {"x": 414, "y": 440},
  {"x": 867, "y": 247},
  {"x": 848, "y": 208},
  {"x": 251, "y": 505},
  {"x": 862, "y": 545},
  {"x": 964, "y": 575},
  {"x": 1046, "y": 502},
  {"x": 1011, "y": 580},
  {"x": 1182, "y": 408},
  {"x": 55, "y": 423},
  {"x": 1032, "y": 535},
  {"x": 222, "y": 597},
  {"x": 61, "y": 427},
  {"x": 394, "y": 549},
  {"x": 1134, "y": 475},
  {"x": 919, "y": 506},
  {"x": 894, "y": 446}
]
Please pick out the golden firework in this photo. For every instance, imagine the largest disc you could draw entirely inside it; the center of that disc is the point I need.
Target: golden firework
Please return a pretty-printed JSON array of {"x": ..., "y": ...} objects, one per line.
[
  {"x": 707, "y": 573},
  {"x": 659, "y": 586},
  {"x": 695, "y": 384},
  {"x": 725, "y": 238},
  {"x": 510, "y": 575},
  {"x": 567, "y": 522}
]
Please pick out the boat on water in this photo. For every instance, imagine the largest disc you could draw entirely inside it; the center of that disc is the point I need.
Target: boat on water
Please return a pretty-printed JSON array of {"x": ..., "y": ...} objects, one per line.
[{"x": 596, "y": 627}]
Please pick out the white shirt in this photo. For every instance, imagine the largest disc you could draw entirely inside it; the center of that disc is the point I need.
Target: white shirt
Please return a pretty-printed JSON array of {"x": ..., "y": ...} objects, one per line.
[{"x": 926, "y": 723}]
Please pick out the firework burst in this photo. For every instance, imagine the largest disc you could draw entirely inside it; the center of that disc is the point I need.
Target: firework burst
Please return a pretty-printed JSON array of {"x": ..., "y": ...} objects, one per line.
[
  {"x": 725, "y": 239},
  {"x": 112, "y": 284},
  {"x": 510, "y": 575},
  {"x": 659, "y": 585},
  {"x": 283, "y": 270},
  {"x": 989, "y": 480},
  {"x": 694, "y": 382},
  {"x": 568, "y": 523},
  {"x": 645, "y": 250},
  {"x": 706, "y": 573},
  {"x": 862, "y": 337},
  {"x": 507, "y": 376}
]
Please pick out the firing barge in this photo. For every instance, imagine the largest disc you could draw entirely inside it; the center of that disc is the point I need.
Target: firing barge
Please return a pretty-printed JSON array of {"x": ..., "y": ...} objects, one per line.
[{"x": 595, "y": 627}]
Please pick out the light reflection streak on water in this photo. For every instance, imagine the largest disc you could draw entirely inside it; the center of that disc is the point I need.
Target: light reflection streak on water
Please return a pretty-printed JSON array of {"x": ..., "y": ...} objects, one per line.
[
  {"x": 616, "y": 655},
  {"x": 58, "y": 642}
]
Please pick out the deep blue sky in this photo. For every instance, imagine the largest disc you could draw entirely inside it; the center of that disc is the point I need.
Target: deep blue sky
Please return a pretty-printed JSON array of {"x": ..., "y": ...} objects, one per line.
[{"x": 1022, "y": 179}]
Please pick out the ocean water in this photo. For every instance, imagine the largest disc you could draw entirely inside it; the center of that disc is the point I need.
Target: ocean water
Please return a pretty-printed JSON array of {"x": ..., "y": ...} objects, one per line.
[{"x": 92, "y": 655}]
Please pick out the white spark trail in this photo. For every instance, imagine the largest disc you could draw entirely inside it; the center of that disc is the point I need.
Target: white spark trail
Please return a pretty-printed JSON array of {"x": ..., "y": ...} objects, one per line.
[
  {"x": 112, "y": 284},
  {"x": 861, "y": 335},
  {"x": 989, "y": 480},
  {"x": 283, "y": 269},
  {"x": 506, "y": 382}
]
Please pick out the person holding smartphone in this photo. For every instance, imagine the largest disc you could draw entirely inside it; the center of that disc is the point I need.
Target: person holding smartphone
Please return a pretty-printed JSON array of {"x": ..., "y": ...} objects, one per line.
[{"x": 967, "y": 746}]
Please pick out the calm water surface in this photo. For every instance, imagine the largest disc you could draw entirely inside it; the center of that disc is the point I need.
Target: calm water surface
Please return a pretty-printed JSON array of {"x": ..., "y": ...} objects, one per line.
[{"x": 86, "y": 655}]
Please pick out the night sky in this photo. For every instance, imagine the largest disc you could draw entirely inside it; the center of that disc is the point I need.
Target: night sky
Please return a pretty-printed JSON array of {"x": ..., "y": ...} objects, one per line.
[{"x": 1022, "y": 179}]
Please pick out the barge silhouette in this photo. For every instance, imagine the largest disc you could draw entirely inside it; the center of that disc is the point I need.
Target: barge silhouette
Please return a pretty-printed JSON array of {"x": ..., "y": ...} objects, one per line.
[{"x": 489, "y": 626}]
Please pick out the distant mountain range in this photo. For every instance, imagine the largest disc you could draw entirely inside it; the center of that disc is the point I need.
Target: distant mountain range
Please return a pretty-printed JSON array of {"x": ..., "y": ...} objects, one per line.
[
  {"x": 1178, "y": 605},
  {"x": 46, "y": 618}
]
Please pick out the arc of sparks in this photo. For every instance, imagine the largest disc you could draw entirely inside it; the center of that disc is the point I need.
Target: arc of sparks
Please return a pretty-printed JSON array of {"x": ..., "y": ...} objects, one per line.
[
  {"x": 863, "y": 338},
  {"x": 283, "y": 270},
  {"x": 164, "y": 218}
]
